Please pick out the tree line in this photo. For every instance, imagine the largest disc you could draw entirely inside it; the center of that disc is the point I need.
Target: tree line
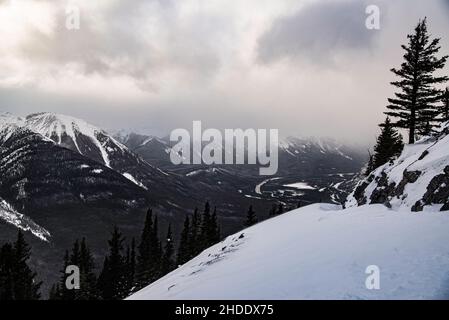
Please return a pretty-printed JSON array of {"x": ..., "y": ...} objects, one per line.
[
  {"x": 127, "y": 267},
  {"x": 420, "y": 104},
  {"x": 131, "y": 267}
]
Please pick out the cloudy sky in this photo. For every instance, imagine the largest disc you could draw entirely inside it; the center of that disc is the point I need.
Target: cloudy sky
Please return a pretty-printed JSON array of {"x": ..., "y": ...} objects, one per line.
[{"x": 307, "y": 67}]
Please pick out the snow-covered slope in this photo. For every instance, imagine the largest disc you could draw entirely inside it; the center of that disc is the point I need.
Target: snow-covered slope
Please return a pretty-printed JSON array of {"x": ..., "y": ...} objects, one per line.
[
  {"x": 417, "y": 179},
  {"x": 320, "y": 252},
  {"x": 11, "y": 216},
  {"x": 8, "y": 124},
  {"x": 76, "y": 134},
  {"x": 96, "y": 144}
]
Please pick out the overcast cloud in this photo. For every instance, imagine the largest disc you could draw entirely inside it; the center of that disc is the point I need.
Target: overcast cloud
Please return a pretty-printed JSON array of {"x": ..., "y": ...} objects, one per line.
[{"x": 307, "y": 67}]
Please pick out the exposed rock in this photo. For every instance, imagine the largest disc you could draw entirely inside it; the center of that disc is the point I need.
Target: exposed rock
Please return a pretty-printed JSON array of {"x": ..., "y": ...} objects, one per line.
[
  {"x": 438, "y": 189},
  {"x": 359, "y": 192},
  {"x": 383, "y": 191},
  {"x": 408, "y": 177}
]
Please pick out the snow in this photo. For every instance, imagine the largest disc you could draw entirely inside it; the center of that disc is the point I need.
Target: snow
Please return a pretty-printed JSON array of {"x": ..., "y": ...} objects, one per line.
[
  {"x": 11, "y": 216},
  {"x": 300, "y": 186},
  {"x": 57, "y": 126},
  {"x": 320, "y": 252},
  {"x": 258, "y": 188},
  {"x": 431, "y": 165},
  {"x": 132, "y": 179},
  {"x": 8, "y": 123}
]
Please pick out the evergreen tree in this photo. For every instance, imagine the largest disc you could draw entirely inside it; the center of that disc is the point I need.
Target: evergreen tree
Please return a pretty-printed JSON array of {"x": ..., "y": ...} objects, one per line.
[
  {"x": 251, "y": 218},
  {"x": 131, "y": 267},
  {"x": 272, "y": 211},
  {"x": 81, "y": 257},
  {"x": 214, "y": 236},
  {"x": 25, "y": 285},
  {"x": 88, "y": 279},
  {"x": 60, "y": 291},
  {"x": 17, "y": 280},
  {"x": 414, "y": 105},
  {"x": 149, "y": 252},
  {"x": 280, "y": 209},
  {"x": 144, "y": 251},
  {"x": 194, "y": 241},
  {"x": 184, "y": 249},
  {"x": 389, "y": 145},
  {"x": 6, "y": 272},
  {"x": 205, "y": 227},
  {"x": 444, "y": 109},
  {"x": 370, "y": 165},
  {"x": 112, "y": 280},
  {"x": 167, "y": 257}
]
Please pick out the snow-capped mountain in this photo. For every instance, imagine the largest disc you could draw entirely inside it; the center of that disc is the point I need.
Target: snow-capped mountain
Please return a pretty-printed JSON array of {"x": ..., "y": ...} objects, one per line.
[
  {"x": 418, "y": 179},
  {"x": 94, "y": 143},
  {"x": 77, "y": 135},
  {"x": 57, "y": 193}
]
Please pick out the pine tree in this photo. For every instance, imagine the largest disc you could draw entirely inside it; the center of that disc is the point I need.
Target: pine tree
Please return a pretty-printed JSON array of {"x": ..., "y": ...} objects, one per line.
[
  {"x": 370, "y": 165},
  {"x": 251, "y": 218},
  {"x": 414, "y": 105},
  {"x": 167, "y": 257},
  {"x": 81, "y": 257},
  {"x": 6, "y": 272},
  {"x": 25, "y": 285},
  {"x": 214, "y": 236},
  {"x": 144, "y": 252},
  {"x": 194, "y": 241},
  {"x": 389, "y": 145},
  {"x": 112, "y": 280},
  {"x": 88, "y": 279},
  {"x": 272, "y": 211},
  {"x": 149, "y": 252},
  {"x": 184, "y": 249},
  {"x": 131, "y": 267},
  {"x": 156, "y": 252},
  {"x": 280, "y": 209},
  {"x": 60, "y": 291},
  {"x": 205, "y": 227},
  {"x": 444, "y": 109}
]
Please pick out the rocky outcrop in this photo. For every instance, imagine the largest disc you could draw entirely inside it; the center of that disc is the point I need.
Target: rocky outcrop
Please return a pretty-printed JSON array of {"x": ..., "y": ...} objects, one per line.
[{"x": 417, "y": 179}]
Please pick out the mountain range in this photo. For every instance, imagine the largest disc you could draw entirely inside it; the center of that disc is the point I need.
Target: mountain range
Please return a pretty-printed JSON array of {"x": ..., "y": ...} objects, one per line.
[{"x": 62, "y": 178}]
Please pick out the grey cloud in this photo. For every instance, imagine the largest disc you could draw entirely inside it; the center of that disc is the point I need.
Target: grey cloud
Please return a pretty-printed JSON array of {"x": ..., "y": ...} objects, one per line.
[
  {"x": 316, "y": 32},
  {"x": 125, "y": 48}
]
